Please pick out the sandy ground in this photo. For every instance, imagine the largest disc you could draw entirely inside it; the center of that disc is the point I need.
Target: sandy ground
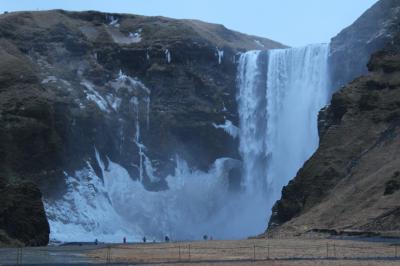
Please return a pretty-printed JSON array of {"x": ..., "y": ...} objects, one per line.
[{"x": 294, "y": 252}]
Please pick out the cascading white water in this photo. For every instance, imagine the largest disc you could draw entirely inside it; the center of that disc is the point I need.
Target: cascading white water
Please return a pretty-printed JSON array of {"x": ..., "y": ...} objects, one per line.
[
  {"x": 253, "y": 121},
  {"x": 278, "y": 114},
  {"x": 297, "y": 90},
  {"x": 280, "y": 93}
]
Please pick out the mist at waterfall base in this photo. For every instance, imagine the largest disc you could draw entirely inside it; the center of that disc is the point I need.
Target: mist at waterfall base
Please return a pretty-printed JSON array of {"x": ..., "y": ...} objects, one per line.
[{"x": 280, "y": 93}]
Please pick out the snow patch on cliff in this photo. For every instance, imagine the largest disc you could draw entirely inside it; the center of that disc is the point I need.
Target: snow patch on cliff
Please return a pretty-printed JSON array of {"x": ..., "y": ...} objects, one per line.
[
  {"x": 120, "y": 38},
  {"x": 168, "y": 56},
  {"x": 112, "y": 21},
  {"x": 49, "y": 79},
  {"x": 229, "y": 128},
  {"x": 94, "y": 96},
  {"x": 220, "y": 54},
  {"x": 259, "y": 43},
  {"x": 131, "y": 83},
  {"x": 135, "y": 36},
  {"x": 147, "y": 55},
  {"x": 114, "y": 102}
]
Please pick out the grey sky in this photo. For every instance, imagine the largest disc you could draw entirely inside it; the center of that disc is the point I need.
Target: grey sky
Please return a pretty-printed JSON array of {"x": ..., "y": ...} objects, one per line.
[{"x": 292, "y": 22}]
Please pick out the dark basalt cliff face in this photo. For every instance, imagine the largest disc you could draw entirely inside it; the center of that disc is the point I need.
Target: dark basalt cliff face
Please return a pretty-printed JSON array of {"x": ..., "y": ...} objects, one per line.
[
  {"x": 353, "y": 46},
  {"x": 74, "y": 83},
  {"x": 22, "y": 219},
  {"x": 352, "y": 182}
]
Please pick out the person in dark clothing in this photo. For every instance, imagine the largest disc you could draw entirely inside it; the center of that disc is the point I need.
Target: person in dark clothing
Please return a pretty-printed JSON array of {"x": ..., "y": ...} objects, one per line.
[
  {"x": 166, "y": 239},
  {"x": 144, "y": 239},
  {"x": 124, "y": 240}
]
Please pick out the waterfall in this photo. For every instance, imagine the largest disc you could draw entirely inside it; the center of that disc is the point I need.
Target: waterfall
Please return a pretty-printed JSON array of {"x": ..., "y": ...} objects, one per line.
[
  {"x": 280, "y": 95},
  {"x": 253, "y": 121}
]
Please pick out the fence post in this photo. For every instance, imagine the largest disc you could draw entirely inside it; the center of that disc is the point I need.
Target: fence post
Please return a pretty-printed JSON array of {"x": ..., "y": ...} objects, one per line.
[
  {"x": 327, "y": 250},
  {"x": 179, "y": 252},
  {"x": 108, "y": 254},
  {"x": 254, "y": 252},
  {"x": 334, "y": 249},
  {"x": 48, "y": 254},
  {"x": 189, "y": 253},
  {"x": 19, "y": 256},
  {"x": 268, "y": 252},
  {"x": 395, "y": 251}
]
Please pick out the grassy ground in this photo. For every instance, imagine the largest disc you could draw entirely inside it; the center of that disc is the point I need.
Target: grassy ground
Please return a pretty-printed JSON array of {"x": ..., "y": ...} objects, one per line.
[
  {"x": 301, "y": 263},
  {"x": 254, "y": 252}
]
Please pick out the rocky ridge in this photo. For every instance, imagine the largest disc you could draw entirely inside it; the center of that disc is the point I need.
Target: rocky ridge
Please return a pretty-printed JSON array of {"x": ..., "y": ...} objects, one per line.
[
  {"x": 352, "y": 47},
  {"x": 351, "y": 184}
]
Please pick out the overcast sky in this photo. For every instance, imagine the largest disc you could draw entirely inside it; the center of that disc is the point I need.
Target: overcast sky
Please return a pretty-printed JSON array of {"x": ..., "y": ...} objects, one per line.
[{"x": 292, "y": 22}]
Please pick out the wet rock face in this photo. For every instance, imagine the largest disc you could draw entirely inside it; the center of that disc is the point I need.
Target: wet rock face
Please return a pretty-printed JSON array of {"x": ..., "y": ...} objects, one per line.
[
  {"x": 22, "y": 216},
  {"x": 352, "y": 47},
  {"x": 135, "y": 89}
]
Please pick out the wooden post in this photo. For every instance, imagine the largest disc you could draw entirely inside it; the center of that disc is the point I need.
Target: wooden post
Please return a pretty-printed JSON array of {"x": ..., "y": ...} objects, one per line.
[
  {"x": 254, "y": 252},
  {"x": 108, "y": 257},
  {"x": 19, "y": 255},
  {"x": 327, "y": 250},
  {"x": 395, "y": 251},
  {"x": 334, "y": 250},
  {"x": 189, "y": 253},
  {"x": 179, "y": 252},
  {"x": 268, "y": 251}
]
